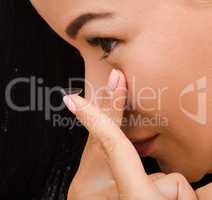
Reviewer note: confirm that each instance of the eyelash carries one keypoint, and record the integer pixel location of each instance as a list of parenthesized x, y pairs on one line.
[(107, 44)]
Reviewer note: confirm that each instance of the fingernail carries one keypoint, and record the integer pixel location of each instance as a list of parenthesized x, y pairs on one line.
[(69, 91), (113, 79), (70, 104)]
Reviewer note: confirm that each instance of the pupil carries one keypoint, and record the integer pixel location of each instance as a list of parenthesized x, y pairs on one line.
[(107, 45)]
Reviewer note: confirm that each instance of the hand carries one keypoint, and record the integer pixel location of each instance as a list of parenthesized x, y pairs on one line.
[(111, 167), (94, 175)]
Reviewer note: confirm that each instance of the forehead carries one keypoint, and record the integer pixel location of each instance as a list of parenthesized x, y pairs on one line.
[(59, 13), (63, 10)]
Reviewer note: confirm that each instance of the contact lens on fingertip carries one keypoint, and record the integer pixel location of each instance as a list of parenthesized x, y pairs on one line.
[(70, 91)]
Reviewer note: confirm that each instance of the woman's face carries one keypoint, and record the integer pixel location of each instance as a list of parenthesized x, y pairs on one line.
[(165, 50)]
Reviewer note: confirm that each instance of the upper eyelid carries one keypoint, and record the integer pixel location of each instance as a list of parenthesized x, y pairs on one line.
[(108, 37), (105, 36), (99, 33), (106, 54), (96, 45), (82, 38)]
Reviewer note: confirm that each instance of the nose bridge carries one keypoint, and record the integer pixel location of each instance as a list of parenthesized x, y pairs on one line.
[(96, 76)]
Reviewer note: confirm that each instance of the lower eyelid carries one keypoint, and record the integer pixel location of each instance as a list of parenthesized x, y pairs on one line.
[(115, 54), (113, 51)]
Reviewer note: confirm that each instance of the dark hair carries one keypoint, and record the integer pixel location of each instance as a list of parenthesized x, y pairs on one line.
[(37, 160)]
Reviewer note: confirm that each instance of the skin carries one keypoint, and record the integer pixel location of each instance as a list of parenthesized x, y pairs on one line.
[(109, 146), (164, 44)]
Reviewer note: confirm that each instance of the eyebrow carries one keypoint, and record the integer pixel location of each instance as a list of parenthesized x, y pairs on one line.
[(74, 27)]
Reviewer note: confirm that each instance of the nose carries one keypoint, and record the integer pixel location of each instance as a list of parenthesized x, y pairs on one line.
[(96, 76)]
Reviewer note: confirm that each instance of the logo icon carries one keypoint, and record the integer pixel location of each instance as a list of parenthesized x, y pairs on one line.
[(198, 86)]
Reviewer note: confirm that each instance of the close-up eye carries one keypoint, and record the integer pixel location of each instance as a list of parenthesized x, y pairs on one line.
[(107, 44)]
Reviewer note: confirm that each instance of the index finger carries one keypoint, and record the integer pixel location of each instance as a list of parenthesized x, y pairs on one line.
[(124, 160)]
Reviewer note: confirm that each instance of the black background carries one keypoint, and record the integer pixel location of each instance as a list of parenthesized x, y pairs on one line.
[(37, 160)]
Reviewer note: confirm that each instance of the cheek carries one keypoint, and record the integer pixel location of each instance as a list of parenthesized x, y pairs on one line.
[(162, 65)]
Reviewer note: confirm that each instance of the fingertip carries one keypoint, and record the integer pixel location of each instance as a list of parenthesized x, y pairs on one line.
[(70, 104), (113, 80), (79, 102), (122, 79)]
